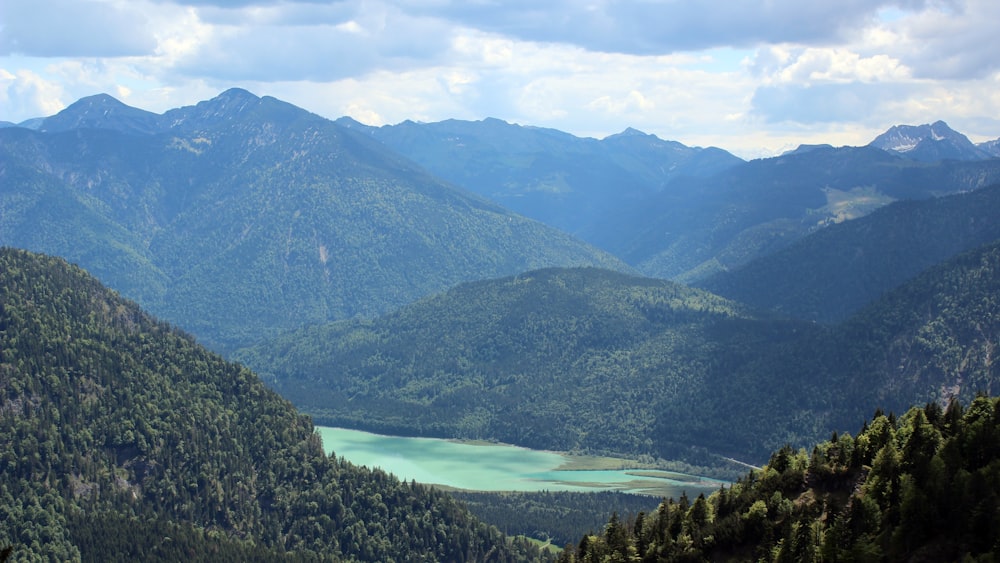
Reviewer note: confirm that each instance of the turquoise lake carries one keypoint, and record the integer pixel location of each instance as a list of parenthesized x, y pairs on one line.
[(497, 467)]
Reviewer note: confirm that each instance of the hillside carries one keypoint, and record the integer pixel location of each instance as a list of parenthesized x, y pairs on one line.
[(681, 212), (124, 440), (832, 273), (921, 487), (577, 359), (930, 339), (242, 217), (312, 220), (596, 361), (697, 227), (991, 148), (565, 181)]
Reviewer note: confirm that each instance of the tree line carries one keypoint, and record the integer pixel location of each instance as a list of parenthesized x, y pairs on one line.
[(920, 487)]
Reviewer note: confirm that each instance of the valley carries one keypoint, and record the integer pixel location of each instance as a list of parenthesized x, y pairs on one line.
[(503, 332), (500, 467)]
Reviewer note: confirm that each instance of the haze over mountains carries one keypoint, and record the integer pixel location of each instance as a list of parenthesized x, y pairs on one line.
[(665, 209), (245, 216), (561, 180), (457, 279), (683, 212), (242, 217), (598, 361), (832, 273)]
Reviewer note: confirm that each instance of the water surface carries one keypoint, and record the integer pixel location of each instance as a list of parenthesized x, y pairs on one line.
[(496, 467)]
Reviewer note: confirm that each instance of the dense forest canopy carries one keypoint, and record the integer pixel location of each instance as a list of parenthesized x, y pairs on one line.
[(697, 227), (831, 274), (253, 224), (593, 360), (119, 431), (558, 359), (921, 487)]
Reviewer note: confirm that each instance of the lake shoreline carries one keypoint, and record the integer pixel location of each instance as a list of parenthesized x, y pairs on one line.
[(486, 466)]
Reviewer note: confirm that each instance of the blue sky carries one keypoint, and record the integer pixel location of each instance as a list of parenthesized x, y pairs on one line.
[(755, 77)]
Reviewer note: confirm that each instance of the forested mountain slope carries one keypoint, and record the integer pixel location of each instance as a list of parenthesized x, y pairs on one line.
[(565, 181), (921, 487), (930, 339), (588, 359), (830, 274), (567, 359), (675, 211), (696, 227), (242, 216), (124, 440)]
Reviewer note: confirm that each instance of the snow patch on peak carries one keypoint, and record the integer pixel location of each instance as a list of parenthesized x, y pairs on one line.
[(905, 138), (928, 142)]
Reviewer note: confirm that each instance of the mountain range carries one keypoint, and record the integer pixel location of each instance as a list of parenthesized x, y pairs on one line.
[(667, 210), (565, 181), (243, 216), (930, 143), (680, 212), (459, 279), (243, 219), (695, 229), (601, 362)]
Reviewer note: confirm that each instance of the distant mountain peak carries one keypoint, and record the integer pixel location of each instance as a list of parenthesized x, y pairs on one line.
[(497, 124), (226, 106), (350, 123), (233, 101), (630, 132), (905, 138), (237, 94), (97, 100), (928, 142), (101, 111)]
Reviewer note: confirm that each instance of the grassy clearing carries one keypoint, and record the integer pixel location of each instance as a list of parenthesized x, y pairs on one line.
[(546, 544), (601, 463)]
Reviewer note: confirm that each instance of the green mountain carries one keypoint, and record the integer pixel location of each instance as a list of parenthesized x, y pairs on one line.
[(242, 217), (565, 181), (832, 273), (922, 487), (697, 227), (930, 339), (680, 212), (568, 359), (124, 441), (590, 360), (103, 112)]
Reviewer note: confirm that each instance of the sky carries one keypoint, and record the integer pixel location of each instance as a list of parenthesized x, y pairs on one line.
[(755, 77)]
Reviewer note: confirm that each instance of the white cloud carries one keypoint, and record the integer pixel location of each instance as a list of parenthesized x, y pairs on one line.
[(947, 40), (644, 27), (819, 65), (742, 75), (633, 101), (90, 28), (28, 94)]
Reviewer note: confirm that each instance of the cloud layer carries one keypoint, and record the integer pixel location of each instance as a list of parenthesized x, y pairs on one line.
[(752, 76)]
